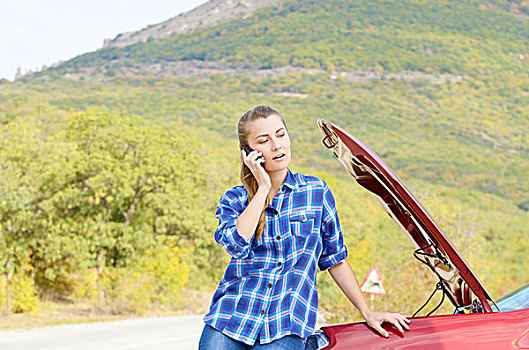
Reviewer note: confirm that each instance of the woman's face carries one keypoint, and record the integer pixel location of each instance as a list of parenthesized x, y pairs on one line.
[(269, 136)]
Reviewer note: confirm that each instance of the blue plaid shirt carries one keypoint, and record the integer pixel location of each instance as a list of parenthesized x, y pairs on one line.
[(269, 287)]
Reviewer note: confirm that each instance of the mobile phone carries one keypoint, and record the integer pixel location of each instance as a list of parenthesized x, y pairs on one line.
[(248, 150)]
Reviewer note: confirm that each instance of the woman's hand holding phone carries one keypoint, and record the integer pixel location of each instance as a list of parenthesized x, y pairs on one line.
[(255, 161)]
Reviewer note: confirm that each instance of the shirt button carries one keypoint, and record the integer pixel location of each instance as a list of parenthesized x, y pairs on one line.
[(269, 285), (262, 312), (279, 263), (278, 237), (303, 218)]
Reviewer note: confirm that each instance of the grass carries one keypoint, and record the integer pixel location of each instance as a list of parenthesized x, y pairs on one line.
[(52, 313)]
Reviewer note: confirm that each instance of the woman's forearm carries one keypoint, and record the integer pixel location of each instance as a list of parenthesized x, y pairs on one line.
[(345, 278), (247, 221)]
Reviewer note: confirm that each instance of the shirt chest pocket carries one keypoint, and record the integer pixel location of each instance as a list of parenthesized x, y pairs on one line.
[(302, 224)]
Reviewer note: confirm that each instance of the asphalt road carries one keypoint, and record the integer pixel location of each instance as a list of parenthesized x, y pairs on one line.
[(177, 332)]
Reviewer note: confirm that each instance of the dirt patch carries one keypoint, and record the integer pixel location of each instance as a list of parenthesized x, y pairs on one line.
[(205, 69), (367, 76)]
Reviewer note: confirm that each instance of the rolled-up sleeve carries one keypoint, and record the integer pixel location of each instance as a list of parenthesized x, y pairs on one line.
[(228, 210), (334, 250)]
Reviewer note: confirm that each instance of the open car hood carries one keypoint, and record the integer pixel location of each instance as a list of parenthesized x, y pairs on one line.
[(410, 216)]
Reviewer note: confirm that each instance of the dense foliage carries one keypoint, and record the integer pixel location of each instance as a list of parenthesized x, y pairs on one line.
[(109, 188), (116, 195)]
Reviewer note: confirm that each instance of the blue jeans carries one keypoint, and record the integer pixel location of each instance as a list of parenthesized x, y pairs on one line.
[(213, 339)]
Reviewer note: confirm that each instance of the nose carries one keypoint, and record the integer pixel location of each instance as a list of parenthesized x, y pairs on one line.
[(275, 144)]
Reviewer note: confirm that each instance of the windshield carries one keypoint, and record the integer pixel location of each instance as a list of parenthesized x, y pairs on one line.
[(519, 299)]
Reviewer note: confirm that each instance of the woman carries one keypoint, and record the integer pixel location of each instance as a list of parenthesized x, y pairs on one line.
[(279, 227)]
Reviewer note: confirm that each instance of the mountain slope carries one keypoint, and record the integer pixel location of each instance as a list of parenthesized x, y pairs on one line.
[(457, 37), (428, 76), (205, 15), (216, 11)]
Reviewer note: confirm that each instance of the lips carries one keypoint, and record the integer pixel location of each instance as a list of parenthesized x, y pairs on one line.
[(279, 156)]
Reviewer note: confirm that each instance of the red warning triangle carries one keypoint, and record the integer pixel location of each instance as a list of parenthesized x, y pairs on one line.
[(372, 284)]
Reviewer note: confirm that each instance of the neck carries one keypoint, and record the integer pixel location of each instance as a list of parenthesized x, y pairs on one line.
[(277, 178)]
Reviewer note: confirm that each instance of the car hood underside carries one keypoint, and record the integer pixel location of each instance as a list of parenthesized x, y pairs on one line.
[(432, 245)]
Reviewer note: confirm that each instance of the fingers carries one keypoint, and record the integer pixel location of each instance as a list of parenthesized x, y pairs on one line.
[(375, 321), (400, 322), (396, 324), (255, 162), (404, 322), (381, 330), (253, 157), (397, 320)]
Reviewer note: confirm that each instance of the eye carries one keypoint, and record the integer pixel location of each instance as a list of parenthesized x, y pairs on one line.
[(263, 141), (282, 134)]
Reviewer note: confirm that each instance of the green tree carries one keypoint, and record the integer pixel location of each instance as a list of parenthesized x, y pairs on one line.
[(125, 182)]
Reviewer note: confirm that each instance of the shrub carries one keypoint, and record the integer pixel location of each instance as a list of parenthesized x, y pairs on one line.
[(25, 298), (158, 279), (85, 287)]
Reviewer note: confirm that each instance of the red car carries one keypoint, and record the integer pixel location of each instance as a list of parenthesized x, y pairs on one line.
[(478, 322)]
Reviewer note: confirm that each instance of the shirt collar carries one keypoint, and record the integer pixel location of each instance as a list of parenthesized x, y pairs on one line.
[(291, 181)]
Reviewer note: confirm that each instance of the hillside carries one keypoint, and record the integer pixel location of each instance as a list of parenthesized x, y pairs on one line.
[(458, 38), (205, 15), (216, 11), (452, 74), (438, 89)]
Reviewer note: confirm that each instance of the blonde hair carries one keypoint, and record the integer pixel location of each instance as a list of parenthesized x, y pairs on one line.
[(247, 178)]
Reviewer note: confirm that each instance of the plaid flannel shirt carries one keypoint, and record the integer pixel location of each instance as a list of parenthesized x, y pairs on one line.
[(269, 287)]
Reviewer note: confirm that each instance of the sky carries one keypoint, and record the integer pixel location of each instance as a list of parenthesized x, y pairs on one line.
[(34, 33)]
